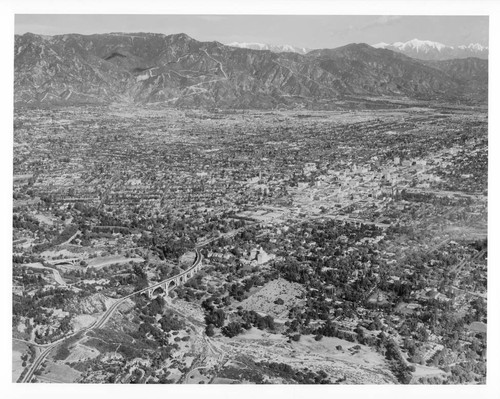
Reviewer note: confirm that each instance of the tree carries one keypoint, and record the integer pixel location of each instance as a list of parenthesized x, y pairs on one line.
[(232, 329), (209, 330), (295, 337), (139, 272), (216, 318), (422, 334), (279, 301)]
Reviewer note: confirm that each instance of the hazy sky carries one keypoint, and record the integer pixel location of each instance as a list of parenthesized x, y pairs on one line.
[(304, 31)]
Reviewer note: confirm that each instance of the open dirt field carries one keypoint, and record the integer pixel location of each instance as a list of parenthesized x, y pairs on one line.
[(263, 300), (58, 373), (477, 326), (112, 259), (82, 321), (196, 376), (18, 348), (255, 333), (81, 352), (43, 219), (352, 366), (327, 347), (425, 371)]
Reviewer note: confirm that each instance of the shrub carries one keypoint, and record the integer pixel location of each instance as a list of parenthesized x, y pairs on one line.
[(232, 329), (210, 330), (279, 301)]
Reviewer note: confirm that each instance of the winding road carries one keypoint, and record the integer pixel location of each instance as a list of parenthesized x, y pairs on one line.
[(57, 277), (105, 316), (108, 313)]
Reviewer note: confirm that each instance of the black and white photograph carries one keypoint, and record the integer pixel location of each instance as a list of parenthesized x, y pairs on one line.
[(249, 198)]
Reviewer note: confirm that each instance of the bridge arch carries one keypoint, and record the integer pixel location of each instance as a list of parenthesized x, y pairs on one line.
[(158, 291)]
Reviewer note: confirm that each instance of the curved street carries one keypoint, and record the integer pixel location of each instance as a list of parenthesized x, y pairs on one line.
[(57, 277), (104, 318)]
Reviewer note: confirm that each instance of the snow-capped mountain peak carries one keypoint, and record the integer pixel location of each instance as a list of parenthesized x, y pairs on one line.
[(422, 45), (276, 48), (416, 44), (255, 46), (430, 50), (381, 45), (474, 46)]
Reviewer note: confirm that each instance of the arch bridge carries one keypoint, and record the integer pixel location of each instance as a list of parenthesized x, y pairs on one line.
[(69, 261), (173, 282)]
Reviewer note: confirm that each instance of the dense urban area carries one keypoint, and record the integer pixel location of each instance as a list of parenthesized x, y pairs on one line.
[(161, 245)]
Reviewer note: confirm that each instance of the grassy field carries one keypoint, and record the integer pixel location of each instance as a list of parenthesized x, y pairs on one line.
[(18, 348)]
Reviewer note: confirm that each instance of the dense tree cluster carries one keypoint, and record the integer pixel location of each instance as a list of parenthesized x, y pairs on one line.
[(304, 376)]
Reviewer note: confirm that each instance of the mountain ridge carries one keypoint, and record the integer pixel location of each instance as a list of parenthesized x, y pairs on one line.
[(180, 71), (431, 50), (275, 48)]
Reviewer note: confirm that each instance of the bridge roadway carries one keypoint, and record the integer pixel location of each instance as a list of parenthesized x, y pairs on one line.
[(107, 314), (105, 317), (181, 277)]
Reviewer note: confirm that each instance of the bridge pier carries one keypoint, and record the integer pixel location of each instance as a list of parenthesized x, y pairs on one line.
[(179, 280)]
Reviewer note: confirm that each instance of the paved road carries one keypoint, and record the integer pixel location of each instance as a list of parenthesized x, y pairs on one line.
[(475, 257), (57, 276), (38, 361), (436, 247), (104, 318), (108, 313), (71, 238), (443, 192)]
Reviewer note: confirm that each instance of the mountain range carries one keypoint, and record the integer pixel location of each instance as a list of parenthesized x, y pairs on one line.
[(181, 71), (275, 48), (429, 50), (420, 49)]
